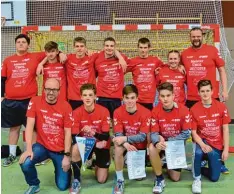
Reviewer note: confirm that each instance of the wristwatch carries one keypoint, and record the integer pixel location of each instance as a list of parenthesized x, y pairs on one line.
[(67, 153)]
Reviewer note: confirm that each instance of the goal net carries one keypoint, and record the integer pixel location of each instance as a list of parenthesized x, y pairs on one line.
[(126, 20)]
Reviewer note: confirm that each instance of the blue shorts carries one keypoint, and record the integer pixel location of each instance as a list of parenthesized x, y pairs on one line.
[(14, 112), (110, 103)]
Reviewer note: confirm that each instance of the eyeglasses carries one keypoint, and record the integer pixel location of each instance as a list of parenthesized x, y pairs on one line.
[(54, 90)]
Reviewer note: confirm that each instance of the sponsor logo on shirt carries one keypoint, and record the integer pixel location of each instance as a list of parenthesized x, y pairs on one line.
[(179, 77), (203, 56), (45, 111), (84, 121), (202, 116), (137, 123), (175, 120), (139, 65), (189, 57), (25, 60), (151, 64), (96, 122), (161, 120), (57, 115), (30, 105), (215, 115), (86, 62)]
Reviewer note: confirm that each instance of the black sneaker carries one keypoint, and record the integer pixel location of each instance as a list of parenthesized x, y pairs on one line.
[(9, 160)]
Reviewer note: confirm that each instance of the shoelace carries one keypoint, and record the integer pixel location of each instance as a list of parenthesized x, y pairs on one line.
[(75, 185), (196, 183), (120, 184)]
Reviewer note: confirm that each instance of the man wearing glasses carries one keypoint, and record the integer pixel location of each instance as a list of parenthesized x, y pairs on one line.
[(53, 122)]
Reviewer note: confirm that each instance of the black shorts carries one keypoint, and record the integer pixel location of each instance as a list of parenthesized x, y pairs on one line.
[(14, 112), (162, 153), (110, 103), (102, 155), (149, 106), (75, 103)]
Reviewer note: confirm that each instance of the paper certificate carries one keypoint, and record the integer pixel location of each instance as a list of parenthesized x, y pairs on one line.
[(136, 164), (175, 154)]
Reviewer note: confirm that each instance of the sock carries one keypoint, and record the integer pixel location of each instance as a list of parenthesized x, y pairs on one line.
[(12, 149), (76, 169), (159, 177), (119, 175)]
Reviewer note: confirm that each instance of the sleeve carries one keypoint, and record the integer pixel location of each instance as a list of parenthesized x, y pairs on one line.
[(40, 56), (94, 57), (118, 125), (130, 66), (68, 117), (219, 62), (76, 121), (158, 77), (160, 63), (4, 69), (185, 134), (185, 118), (154, 122), (105, 121), (145, 122), (194, 122), (225, 115), (31, 112)]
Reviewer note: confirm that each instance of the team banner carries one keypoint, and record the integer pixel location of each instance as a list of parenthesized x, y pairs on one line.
[(81, 146), (136, 164), (89, 144), (175, 154)]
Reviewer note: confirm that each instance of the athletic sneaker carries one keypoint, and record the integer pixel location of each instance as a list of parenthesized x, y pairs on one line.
[(9, 160), (196, 187), (33, 189), (224, 169), (75, 187), (119, 187), (159, 186)]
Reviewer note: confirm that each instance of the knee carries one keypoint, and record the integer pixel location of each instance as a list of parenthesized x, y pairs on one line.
[(214, 179), (75, 154), (26, 165), (199, 153), (101, 180), (152, 148), (119, 151), (63, 186), (175, 178)]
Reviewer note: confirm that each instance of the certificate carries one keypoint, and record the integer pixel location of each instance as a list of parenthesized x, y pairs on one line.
[(175, 154), (136, 164)]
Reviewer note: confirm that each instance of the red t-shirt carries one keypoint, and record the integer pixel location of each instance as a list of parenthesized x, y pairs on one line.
[(110, 81), (176, 78), (170, 124), (209, 122), (98, 120), (79, 71), (132, 124), (143, 71), (56, 70), (50, 122), (20, 72), (201, 64)]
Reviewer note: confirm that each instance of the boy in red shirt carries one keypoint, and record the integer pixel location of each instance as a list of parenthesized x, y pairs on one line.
[(170, 121), (18, 85), (172, 75), (110, 74), (131, 125), (54, 69), (143, 71), (210, 133), (91, 120), (53, 121)]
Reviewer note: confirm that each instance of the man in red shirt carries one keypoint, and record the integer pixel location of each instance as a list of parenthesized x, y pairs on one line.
[(210, 133), (91, 120), (143, 71), (172, 75), (110, 74), (52, 68), (131, 125), (200, 62), (18, 85), (170, 121), (53, 121)]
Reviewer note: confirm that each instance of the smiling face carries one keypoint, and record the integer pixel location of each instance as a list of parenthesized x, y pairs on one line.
[(173, 60), (109, 48), (196, 38), (130, 100), (80, 49), (51, 90)]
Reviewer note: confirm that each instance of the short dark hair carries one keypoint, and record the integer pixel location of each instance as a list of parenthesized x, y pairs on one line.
[(109, 39), (22, 36), (50, 46), (204, 82), (195, 29), (173, 51), (80, 40), (88, 86), (130, 88), (165, 86), (144, 41)]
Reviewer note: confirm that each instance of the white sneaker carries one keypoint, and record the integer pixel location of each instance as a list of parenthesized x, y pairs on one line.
[(159, 186), (196, 187)]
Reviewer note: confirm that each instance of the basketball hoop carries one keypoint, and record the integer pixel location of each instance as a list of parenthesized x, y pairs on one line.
[(3, 21)]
